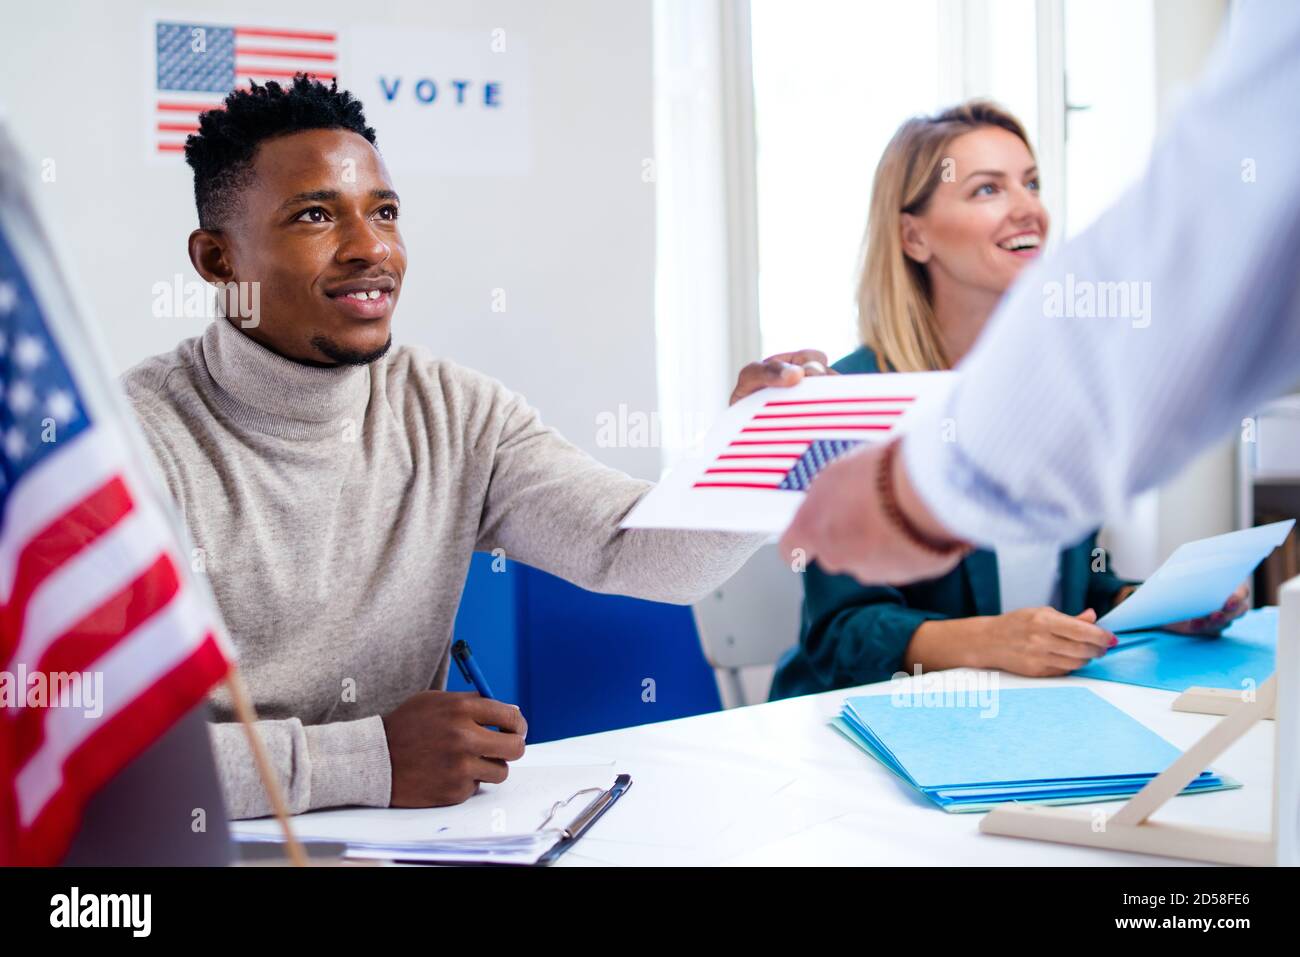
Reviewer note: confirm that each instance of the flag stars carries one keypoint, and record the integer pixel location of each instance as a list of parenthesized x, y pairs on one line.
[(8, 297), (21, 397), (28, 352), (61, 406), (15, 443)]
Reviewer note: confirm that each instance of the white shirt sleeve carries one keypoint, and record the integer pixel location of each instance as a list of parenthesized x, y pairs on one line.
[(1113, 361)]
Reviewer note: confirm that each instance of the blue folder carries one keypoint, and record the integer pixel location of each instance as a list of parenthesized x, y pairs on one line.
[(1242, 657), (1196, 579), (1045, 745), (1193, 581)]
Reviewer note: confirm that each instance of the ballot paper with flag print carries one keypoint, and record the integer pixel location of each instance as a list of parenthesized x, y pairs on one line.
[(105, 640), (751, 471)]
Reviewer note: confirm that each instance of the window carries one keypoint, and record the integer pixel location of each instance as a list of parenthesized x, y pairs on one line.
[(770, 117), (1111, 109), (832, 81)]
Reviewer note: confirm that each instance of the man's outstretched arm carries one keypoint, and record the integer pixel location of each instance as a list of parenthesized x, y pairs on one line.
[(553, 506), (1115, 360)]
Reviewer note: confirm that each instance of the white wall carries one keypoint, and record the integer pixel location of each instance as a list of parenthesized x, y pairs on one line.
[(571, 243)]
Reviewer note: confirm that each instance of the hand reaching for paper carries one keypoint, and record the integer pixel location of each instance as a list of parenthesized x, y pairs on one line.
[(1212, 625), (1208, 626), (1039, 642), (782, 370)]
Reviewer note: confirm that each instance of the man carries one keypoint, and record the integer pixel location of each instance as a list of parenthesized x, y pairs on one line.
[(337, 486), (1062, 414)]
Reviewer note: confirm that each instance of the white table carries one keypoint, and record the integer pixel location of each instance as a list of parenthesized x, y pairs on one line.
[(773, 784)]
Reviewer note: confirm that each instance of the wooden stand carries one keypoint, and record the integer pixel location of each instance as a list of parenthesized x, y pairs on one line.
[(1212, 701), (1130, 828)]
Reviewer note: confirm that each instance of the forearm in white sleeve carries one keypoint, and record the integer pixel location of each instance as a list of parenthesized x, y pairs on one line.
[(1060, 418)]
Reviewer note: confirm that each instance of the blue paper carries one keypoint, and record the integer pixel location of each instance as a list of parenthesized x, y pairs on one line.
[(1196, 579), (1036, 735), (977, 798), (1127, 638), (1240, 658)]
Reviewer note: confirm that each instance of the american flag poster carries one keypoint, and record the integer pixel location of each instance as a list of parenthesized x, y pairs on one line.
[(197, 63), (105, 639), (751, 471)]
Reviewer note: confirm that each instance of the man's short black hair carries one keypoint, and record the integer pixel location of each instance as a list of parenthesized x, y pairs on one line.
[(221, 152)]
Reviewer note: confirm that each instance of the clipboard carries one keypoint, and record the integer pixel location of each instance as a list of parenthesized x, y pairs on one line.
[(583, 822), (567, 836), (466, 835)]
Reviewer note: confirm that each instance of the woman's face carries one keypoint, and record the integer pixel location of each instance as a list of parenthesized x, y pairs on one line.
[(984, 222)]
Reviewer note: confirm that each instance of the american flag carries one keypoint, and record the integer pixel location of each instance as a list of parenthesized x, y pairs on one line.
[(197, 64), (91, 586), (787, 442)]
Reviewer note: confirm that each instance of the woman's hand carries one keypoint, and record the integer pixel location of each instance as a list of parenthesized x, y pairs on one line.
[(782, 370), (1038, 642), (1212, 624), (1042, 642)]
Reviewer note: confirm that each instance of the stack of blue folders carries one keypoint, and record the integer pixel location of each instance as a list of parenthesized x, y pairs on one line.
[(1061, 745)]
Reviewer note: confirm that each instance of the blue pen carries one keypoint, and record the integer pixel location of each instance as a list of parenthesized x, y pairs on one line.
[(469, 668)]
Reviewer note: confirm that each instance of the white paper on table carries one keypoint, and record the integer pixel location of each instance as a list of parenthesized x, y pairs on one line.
[(1196, 579), (732, 480), (498, 824)]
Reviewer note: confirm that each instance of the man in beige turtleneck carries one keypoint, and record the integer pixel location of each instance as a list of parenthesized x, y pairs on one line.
[(337, 487)]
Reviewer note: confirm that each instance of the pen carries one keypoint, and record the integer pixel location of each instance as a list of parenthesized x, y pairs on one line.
[(469, 668)]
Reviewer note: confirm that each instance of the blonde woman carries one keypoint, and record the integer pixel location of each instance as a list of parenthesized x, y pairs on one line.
[(955, 216)]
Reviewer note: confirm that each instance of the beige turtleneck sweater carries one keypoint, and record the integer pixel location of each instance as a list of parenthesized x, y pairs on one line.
[(335, 511)]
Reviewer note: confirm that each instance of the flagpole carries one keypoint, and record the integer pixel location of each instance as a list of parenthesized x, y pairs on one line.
[(248, 718)]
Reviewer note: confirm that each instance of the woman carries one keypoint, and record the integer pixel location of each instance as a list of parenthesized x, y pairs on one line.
[(955, 216)]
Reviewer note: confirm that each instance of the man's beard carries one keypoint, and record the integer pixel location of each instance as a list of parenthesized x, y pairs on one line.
[(349, 357)]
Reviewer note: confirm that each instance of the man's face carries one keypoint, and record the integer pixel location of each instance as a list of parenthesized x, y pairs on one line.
[(317, 227)]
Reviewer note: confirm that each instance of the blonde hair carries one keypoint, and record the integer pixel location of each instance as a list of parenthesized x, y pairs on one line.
[(895, 315)]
